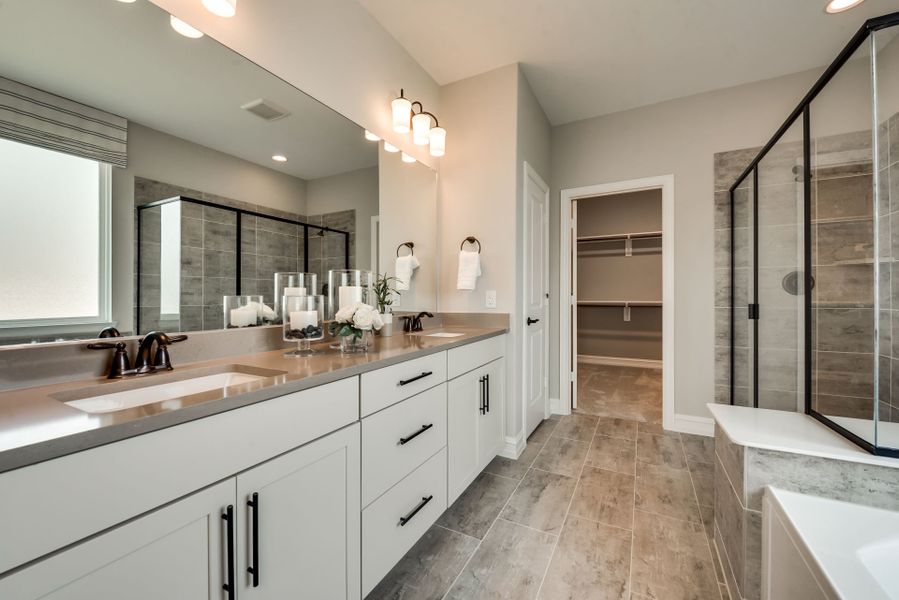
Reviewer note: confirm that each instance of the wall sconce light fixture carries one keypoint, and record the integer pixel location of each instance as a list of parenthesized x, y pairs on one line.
[(406, 118)]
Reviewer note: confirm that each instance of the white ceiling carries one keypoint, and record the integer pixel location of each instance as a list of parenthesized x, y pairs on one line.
[(585, 58), (126, 59)]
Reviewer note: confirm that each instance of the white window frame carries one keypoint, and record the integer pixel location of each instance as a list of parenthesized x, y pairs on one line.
[(63, 325)]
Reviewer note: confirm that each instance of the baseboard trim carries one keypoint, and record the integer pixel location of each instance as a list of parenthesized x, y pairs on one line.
[(695, 425), (616, 361), (513, 446), (555, 407)]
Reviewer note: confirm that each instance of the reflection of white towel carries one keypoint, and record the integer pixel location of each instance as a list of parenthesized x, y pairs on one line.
[(403, 270), (469, 270)]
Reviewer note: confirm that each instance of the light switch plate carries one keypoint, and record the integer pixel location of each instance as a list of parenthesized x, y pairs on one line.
[(491, 298)]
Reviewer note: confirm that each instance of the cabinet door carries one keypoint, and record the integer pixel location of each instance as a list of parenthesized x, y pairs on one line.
[(178, 553), (490, 424), (464, 398), (301, 536)]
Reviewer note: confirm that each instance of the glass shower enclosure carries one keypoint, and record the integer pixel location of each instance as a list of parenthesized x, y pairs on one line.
[(814, 225)]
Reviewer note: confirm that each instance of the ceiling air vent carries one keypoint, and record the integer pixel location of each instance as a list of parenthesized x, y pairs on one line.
[(266, 109)]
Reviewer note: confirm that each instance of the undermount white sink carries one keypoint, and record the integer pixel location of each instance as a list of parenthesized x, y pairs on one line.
[(443, 334), (105, 403), (850, 549)]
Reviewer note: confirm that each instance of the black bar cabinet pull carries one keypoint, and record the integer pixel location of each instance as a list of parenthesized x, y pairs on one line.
[(487, 391), (416, 378), (254, 568), (416, 434), (229, 585), (483, 407), (421, 505)]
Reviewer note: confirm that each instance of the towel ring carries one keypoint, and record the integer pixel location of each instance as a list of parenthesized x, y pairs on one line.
[(471, 240), (410, 245)]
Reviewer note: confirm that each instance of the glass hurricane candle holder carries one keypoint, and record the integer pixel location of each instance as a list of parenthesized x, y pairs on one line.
[(346, 287), (303, 322), (242, 311), (293, 284)]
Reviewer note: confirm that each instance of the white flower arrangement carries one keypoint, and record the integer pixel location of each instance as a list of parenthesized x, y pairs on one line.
[(356, 319)]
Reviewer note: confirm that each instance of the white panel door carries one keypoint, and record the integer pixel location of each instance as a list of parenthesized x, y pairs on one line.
[(178, 553), (536, 291), (305, 521)]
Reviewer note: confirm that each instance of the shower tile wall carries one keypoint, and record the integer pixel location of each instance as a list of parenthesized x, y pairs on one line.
[(327, 252), (208, 253), (889, 317)]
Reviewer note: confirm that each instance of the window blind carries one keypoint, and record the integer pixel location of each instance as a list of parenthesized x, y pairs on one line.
[(38, 118)]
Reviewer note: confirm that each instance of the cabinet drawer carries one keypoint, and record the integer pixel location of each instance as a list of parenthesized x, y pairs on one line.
[(385, 539), (391, 384), (465, 358), (399, 438)]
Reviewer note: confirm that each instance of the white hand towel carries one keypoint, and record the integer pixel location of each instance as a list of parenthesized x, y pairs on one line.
[(469, 270), (403, 271)]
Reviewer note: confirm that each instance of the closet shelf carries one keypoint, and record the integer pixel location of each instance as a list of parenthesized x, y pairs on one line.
[(619, 236), (625, 303)]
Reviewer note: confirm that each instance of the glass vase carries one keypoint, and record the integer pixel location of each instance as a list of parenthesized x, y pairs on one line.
[(242, 311), (350, 344), (293, 284), (303, 322), (346, 287)]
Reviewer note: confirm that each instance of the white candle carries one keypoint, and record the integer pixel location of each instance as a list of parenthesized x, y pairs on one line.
[(348, 294), (294, 291), (301, 319), (244, 316)]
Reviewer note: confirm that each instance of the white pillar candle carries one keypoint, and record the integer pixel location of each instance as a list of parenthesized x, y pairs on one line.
[(301, 319), (348, 294), (294, 291), (243, 316)]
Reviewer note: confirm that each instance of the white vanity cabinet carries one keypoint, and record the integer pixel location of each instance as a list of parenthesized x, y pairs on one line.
[(475, 402), (178, 552), (301, 533)]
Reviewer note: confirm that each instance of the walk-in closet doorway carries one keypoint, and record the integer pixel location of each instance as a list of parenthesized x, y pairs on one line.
[(616, 307)]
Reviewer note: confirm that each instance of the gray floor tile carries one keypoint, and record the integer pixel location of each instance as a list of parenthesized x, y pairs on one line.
[(667, 492), (543, 431), (541, 501), (617, 428), (509, 563), (591, 561), (562, 456), (429, 568), (671, 559), (576, 427), (606, 497), (481, 502), (699, 448), (515, 469), (660, 450), (656, 429), (703, 475), (613, 454)]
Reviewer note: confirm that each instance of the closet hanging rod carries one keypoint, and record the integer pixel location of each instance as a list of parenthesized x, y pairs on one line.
[(620, 236), (618, 303)]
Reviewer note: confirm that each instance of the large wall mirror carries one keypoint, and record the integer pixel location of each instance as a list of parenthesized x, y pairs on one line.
[(145, 175)]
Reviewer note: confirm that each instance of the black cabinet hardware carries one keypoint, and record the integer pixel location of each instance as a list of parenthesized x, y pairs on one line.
[(254, 542), (229, 586), (487, 392), (421, 505), (416, 378), (532, 321), (416, 434), (483, 405)]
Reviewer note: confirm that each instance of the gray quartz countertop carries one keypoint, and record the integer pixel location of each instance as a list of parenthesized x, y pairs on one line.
[(36, 425)]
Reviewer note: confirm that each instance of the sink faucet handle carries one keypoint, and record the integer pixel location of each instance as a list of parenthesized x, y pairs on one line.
[(162, 360), (120, 361)]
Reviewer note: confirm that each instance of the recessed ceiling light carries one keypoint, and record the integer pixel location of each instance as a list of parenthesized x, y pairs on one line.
[(127, 1), (371, 137), (407, 158), (221, 8), (184, 29), (279, 158), (838, 6), (390, 147)]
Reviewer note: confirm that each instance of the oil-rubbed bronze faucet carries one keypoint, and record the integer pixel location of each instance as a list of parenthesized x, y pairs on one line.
[(121, 364), (411, 323)]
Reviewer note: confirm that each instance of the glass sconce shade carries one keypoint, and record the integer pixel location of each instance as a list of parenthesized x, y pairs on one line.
[(421, 123), (437, 138), (402, 110)]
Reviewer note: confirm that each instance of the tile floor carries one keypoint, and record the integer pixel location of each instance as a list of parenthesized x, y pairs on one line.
[(596, 507)]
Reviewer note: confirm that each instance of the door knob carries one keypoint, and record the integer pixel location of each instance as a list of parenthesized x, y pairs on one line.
[(532, 321)]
